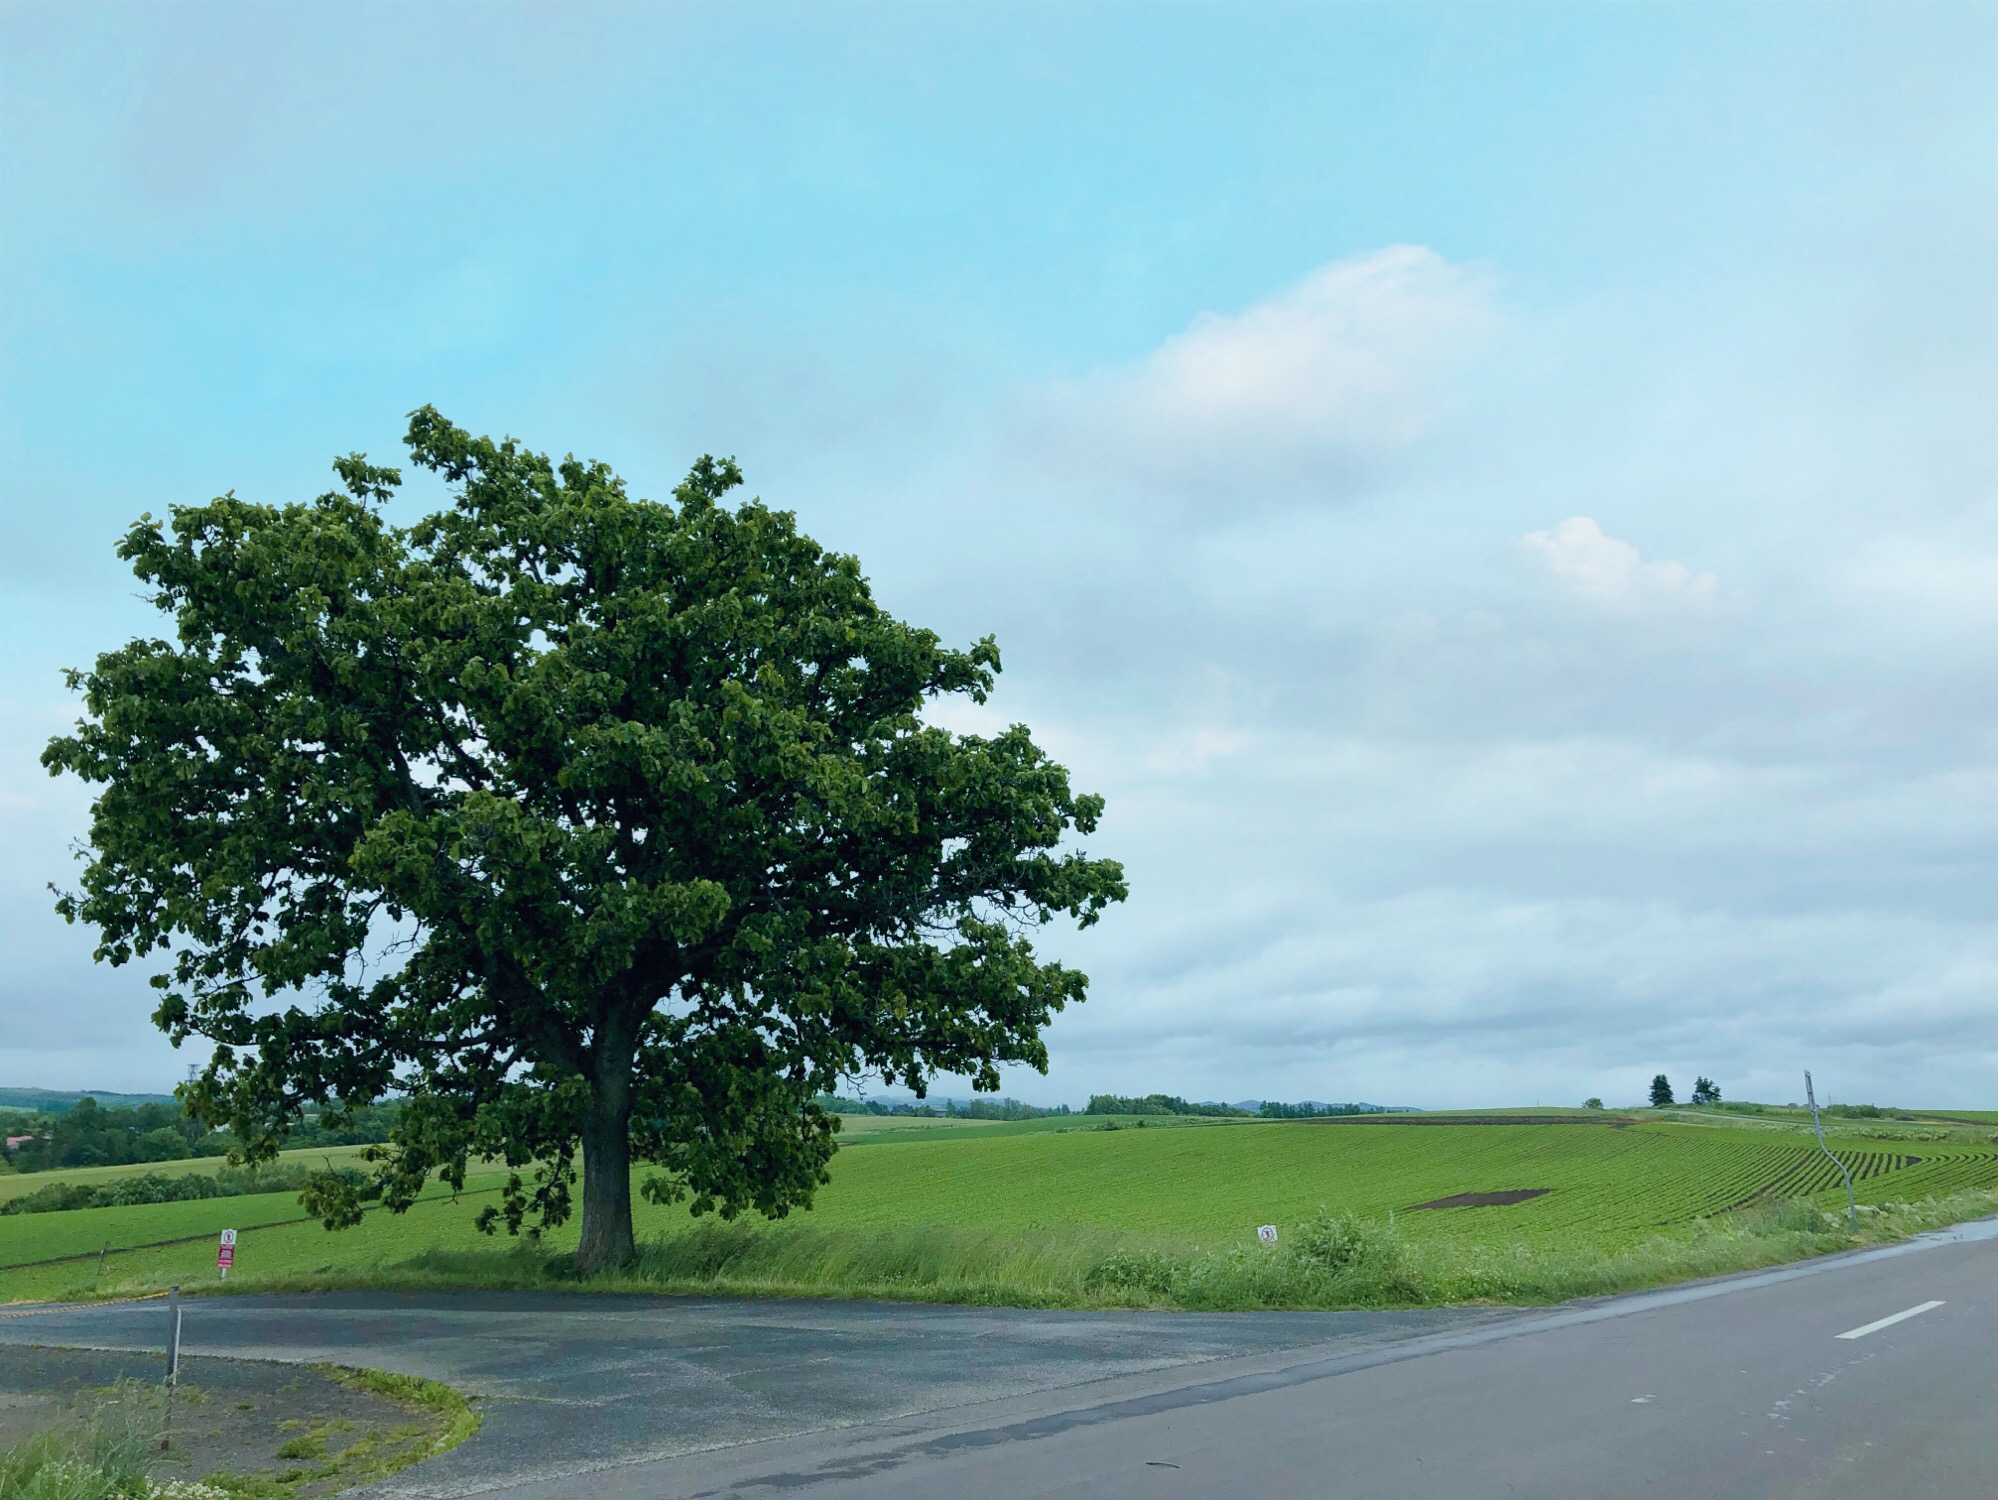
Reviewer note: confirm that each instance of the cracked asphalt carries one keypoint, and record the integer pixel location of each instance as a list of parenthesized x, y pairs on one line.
[(574, 1384)]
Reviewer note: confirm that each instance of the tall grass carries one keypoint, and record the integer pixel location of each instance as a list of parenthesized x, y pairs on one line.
[(1330, 1261), (102, 1447), (97, 1452)]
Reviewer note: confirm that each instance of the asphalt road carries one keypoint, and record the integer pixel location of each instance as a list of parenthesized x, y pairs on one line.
[(1742, 1387)]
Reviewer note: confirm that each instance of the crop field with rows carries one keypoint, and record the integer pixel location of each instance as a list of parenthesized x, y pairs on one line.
[(1606, 1182), (1582, 1184)]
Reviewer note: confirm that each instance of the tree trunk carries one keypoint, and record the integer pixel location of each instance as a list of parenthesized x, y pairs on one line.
[(607, 1239)]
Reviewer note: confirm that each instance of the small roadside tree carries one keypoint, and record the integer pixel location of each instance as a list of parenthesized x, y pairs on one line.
[(584, 823), (1661, 1091), (1705, 1090)]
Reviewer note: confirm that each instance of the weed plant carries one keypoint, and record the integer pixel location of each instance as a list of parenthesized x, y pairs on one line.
[(102, 1447), (98, 1452)]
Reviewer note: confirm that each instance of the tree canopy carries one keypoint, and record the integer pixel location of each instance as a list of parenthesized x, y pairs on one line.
[(91, 1135), (589, 825), (1661, 1091)]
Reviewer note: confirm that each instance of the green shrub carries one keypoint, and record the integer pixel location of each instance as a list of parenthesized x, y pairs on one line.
[(179, 1187), (1149, 1273), (94, 1454), (306, 1446), (1337, 1242), (1788, 1216)]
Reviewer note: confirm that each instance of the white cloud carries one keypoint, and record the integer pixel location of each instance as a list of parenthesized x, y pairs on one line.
[(1614, 574), (1350, 364)]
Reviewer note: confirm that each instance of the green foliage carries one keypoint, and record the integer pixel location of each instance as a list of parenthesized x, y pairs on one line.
[(454, 1418), (90, 1135), (344, 1125), (307, 1445), (1787, 1216), (1024, 1217), (82, 1233), (1151, 1274), (1270, 1109), (1080, 1267), (1706, 1091), (179, 1187), (1159, 1104), (98, 1452), (950, 1109), (55, 1101), (577, 820), (1335, 1242), (1330, 1260), (1592, 1102), (1661, 1091)]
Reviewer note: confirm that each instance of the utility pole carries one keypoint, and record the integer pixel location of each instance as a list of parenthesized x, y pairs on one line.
[(1851, 1207)]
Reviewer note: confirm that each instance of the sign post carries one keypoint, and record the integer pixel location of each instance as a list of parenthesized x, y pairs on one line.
[(225, 1253), (173, 1367)]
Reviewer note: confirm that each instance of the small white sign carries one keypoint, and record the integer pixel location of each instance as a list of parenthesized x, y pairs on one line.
[(228, 1236), (1266, 1233)]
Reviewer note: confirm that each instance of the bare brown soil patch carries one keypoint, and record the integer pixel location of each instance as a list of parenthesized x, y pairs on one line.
[(1479, 1200)]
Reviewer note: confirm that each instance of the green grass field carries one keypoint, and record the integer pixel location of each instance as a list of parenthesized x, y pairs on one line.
[(17, 1184), (1033, 1210)]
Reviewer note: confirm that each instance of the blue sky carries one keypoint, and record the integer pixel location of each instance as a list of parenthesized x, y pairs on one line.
[(1500, 498)]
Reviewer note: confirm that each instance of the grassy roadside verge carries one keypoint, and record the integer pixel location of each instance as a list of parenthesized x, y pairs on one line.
[(1326, 1262), (107, 1445)]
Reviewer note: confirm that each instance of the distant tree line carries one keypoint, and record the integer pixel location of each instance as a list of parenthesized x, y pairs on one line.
[(1099, 1104), (948, 1109), (55, 1101), (89, 1134), (1268, 1109), (1156, 1104), (176, 1187)]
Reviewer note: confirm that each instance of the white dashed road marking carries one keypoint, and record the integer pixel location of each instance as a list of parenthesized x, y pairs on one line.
[(1862, 1332)]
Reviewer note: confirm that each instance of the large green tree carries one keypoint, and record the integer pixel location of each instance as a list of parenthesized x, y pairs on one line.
[(582, 821)]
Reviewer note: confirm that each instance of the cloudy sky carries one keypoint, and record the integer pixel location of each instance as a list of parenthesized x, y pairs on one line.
[(1502, 500)]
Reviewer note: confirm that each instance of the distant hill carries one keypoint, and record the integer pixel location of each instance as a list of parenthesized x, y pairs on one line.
[(55, 1101)]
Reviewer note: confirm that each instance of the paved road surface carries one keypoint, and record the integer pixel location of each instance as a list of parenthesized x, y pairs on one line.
[(1736, 1388)]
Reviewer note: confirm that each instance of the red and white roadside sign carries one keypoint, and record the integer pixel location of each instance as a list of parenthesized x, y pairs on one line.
[(225, 1253)]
